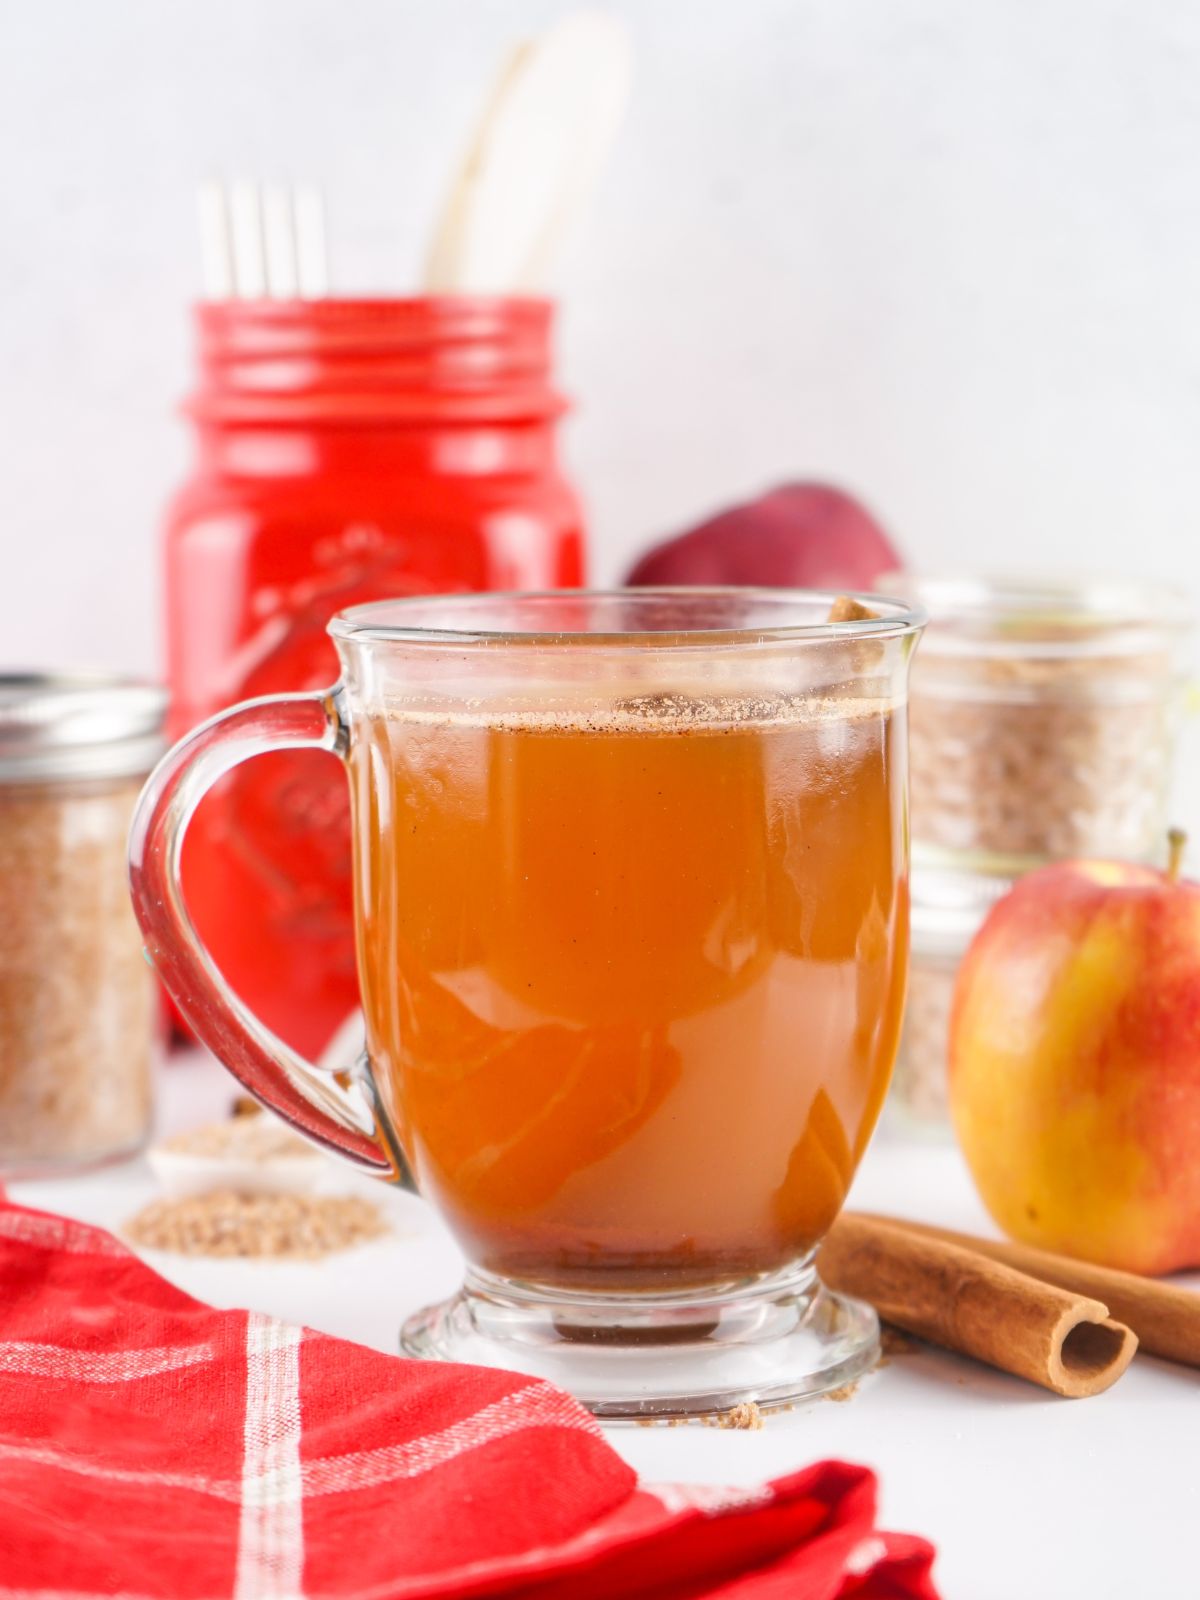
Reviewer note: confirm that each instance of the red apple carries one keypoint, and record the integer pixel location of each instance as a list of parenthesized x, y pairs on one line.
[(1075, 1063), (801, 535)]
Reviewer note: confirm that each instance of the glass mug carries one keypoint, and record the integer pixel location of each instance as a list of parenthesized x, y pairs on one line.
[(631, 905)]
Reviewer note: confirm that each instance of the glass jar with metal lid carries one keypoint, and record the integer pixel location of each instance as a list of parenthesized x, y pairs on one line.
[(78, 1004)]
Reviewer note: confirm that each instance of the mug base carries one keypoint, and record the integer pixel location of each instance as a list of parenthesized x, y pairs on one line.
[(772, 1341)]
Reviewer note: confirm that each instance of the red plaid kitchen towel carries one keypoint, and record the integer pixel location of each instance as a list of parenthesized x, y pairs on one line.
[(155, 1449)]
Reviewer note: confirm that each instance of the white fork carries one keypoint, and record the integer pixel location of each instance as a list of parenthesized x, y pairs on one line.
[(262, 241)]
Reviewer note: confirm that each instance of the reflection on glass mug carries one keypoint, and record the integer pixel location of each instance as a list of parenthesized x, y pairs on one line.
[(632, 925)]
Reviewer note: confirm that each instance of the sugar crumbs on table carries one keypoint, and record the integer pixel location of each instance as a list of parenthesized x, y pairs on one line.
[(846, 1391), (746, 1416), (892, 1342), (224, 1223)]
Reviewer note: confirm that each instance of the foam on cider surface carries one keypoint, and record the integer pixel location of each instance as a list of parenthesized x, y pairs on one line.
[(667, 712)]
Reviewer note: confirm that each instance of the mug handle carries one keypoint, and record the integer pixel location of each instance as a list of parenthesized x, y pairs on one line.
[(340, 1109)]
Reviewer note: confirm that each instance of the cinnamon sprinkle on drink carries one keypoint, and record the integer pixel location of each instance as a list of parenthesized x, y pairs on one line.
[(847, 609)]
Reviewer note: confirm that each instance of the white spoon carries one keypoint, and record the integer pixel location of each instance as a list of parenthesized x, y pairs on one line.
[(534, 159)]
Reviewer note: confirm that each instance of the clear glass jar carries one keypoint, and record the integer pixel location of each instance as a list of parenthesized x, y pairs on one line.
[(918, 1101), (1043, 720), (78, 1002)]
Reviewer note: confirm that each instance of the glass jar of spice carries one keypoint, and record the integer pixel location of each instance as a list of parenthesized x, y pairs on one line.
[(1043, 720), (78, 1003), (939, 939)]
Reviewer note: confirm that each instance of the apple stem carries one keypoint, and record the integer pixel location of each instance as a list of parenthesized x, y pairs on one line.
[(1176, 845)]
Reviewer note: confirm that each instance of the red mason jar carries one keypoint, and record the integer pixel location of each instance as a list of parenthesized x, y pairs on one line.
[(348, 450)]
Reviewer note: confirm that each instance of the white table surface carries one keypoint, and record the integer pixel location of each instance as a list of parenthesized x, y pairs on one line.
[(1024, 1494)]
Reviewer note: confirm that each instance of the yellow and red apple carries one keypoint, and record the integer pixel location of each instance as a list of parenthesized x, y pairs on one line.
[(1075, 1063)]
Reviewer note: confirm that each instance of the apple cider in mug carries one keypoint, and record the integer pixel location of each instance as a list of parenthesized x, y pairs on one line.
[(633, 979), (631, 921)]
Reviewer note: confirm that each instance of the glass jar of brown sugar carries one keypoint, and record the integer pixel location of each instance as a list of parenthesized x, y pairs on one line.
[(78, 1003), (918, 1102), (1042, 723)]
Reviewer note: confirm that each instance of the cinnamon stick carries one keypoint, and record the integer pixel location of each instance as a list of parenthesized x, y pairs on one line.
[(1165, 1317), (965, 1301)]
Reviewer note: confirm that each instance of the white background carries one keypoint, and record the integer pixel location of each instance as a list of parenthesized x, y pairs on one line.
[(947, 254)]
